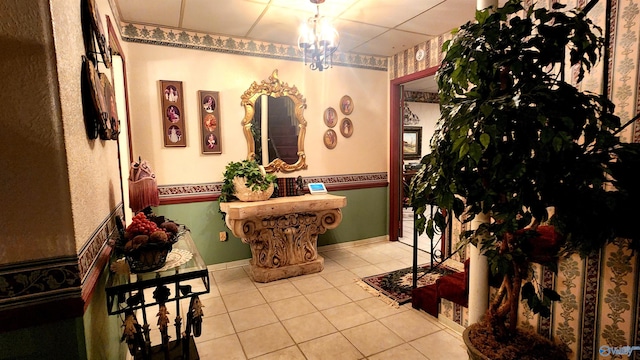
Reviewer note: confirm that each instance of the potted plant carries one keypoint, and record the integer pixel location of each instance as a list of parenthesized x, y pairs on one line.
[(516, 140), (247, 181)]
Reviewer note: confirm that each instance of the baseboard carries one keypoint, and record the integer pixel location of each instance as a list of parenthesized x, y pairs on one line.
[(344, 245), (451, 324), (355, 243), (228, 265)]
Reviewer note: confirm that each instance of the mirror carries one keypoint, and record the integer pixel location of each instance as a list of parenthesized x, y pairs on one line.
[(274, 125)]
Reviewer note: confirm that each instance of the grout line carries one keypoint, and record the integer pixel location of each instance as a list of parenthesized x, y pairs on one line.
[(350, 248)]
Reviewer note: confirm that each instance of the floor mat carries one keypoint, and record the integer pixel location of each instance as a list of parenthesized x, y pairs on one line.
[(397, 285)]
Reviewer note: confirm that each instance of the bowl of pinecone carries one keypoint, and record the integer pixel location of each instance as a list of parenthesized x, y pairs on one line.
[(146, 242)]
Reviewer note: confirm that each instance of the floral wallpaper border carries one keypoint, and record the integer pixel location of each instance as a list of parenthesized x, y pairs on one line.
[(239, 46), (35, 281), (89, 253), (213, 189)]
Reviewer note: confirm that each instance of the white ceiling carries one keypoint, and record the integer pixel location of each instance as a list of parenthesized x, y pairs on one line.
[(371, 27)]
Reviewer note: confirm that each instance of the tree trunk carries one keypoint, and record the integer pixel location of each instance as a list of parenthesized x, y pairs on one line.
[(502, 313)]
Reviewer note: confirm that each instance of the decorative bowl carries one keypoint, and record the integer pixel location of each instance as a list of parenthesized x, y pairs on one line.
[(243, 193)]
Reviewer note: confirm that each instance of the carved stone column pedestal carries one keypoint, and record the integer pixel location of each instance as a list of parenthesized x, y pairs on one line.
[(283, 232)]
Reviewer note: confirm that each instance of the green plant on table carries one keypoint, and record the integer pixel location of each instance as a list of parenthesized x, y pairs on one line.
[(516, 139), (255, 177)]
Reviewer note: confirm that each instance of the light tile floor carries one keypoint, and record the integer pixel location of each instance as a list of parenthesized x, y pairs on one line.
[(320, 316)]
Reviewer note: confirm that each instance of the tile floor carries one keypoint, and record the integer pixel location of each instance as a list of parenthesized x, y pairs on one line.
[(319, 316)]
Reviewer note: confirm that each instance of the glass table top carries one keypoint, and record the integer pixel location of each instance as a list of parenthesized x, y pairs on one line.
[(125, 291)]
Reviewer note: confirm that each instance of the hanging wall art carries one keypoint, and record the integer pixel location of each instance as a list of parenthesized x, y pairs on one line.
[(210, 135), (173, 122)]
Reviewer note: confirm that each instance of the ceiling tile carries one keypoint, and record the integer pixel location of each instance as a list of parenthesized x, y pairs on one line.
[(354, 34), (330, 8), (391, 42), (160, 12), (219, 18), (442, 18), (279, 25), (387, 13)]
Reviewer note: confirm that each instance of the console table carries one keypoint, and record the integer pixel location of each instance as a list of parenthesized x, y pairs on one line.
[(283, 232), (128, 292)]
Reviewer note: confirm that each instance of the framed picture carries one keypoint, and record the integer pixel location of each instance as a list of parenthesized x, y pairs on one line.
[(346, 105), (330, 139), (330, 117), (210, 139), (412, 142), (172, 107), (110, 126), (346, 127)]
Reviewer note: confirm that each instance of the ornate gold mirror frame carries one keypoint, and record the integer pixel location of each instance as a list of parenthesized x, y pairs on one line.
[(275, 88)]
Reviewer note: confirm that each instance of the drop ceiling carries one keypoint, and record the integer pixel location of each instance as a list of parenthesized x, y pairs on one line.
[(368, 27)]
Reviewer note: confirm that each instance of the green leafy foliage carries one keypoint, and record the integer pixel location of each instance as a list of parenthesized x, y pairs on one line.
[(250, 170), (516, 138)]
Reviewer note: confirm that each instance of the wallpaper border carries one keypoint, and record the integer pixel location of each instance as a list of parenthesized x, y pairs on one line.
[(45, 289), (164, 36), (186, 193)]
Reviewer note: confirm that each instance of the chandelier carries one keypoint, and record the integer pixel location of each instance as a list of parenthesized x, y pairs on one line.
[(318, 40)]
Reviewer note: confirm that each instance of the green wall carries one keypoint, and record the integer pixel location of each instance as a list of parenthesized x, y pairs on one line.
[(102, 331), (365, 216), (62, 340)]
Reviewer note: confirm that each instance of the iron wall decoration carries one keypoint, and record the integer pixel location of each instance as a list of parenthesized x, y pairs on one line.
[(92, 98), (99, 108), (211, 139), (412, 142), (98, 35), (173, 123)]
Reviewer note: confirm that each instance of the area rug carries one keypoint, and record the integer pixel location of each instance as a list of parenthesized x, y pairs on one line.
[(396, 285)]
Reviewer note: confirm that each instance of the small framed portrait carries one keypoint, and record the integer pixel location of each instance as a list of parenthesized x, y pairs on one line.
[(346, 127), (346, 105), (174, 134), (173, 121), (171, 93), (209, 104), (173, 114), (330, 117), (212, 141), (412, 143), (210, 122), (211, 136), (330, 139)]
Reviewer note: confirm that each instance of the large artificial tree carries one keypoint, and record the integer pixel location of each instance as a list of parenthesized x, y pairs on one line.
[(519, 142)]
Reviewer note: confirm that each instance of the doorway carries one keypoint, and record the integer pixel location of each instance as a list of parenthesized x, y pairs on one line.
[(397, 176)]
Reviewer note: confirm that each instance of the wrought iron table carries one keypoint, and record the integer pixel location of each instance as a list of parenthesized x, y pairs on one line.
[(126, 294)]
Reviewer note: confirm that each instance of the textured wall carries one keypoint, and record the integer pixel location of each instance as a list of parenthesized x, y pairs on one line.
[(34, 216), (92, 164), (231, 75)]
